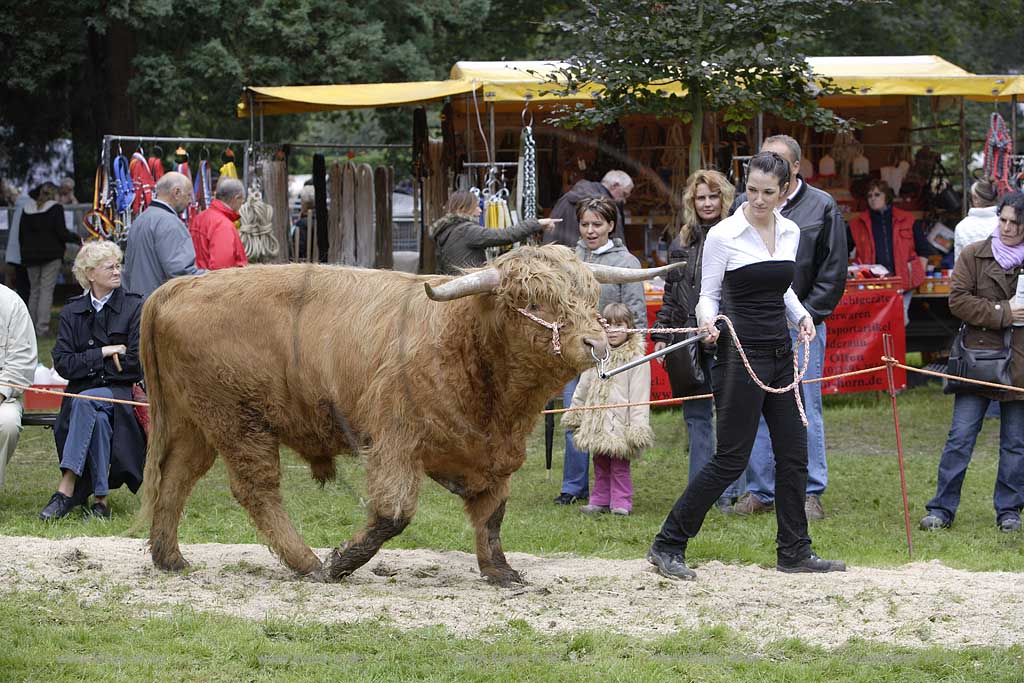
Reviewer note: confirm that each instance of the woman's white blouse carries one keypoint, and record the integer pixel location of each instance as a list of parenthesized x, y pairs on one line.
[(734, 243)]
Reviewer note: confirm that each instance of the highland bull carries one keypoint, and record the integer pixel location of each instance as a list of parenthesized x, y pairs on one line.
[(444, 379)]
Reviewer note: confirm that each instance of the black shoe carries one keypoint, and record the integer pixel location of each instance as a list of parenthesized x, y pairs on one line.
[(812, 565), (933, 522), (1009, 524), (671, 565), (58, 507), (566, 499), (99, 510)]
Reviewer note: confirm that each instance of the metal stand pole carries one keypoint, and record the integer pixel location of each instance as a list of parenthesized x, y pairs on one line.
[(888, 348)]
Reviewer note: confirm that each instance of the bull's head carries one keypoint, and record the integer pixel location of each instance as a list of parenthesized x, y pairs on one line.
[(552, 284)]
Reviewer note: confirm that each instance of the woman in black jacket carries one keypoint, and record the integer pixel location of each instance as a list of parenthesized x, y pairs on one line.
[(43, 236), (461, 240), (706, 199), (100, 444)]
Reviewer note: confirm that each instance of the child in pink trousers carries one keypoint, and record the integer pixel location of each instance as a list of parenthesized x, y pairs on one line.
[(614, 436)]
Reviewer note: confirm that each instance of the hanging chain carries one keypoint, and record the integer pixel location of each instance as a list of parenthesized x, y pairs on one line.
[(529, 174)]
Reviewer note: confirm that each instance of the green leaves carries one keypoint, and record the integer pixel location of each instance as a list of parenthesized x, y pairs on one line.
[(734, 58)]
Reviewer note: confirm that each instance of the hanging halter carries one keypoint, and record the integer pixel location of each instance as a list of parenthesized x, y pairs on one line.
[(124, 191), (998, 150), (556, 344)]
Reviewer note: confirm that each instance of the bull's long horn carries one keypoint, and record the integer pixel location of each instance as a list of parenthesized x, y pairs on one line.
[(480, 282), (613, 275)]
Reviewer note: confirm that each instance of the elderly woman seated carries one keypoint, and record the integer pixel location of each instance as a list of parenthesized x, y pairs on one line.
[(100, 444)]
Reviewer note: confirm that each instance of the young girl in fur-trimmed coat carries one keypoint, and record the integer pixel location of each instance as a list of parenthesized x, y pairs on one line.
[(614, 436)]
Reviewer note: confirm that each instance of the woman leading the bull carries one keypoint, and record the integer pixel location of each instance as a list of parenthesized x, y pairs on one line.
[(461, 240), (596, 216), (707, 196), (100, 444), (747, 272)]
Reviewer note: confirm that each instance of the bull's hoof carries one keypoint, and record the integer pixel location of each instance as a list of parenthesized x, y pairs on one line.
[(337, 566), (318, 575), (505, 578), (172, 563)]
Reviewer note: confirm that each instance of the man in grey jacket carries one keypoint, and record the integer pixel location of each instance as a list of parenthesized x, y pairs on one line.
[(616, 185), (819, 282), (18, 358), (159, 244)]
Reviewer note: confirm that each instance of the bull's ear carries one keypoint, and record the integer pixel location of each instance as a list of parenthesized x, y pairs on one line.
[(613, 275), (479, 282)]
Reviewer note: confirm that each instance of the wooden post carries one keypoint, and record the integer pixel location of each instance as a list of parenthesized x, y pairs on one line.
[(889, 350), (965, 151)]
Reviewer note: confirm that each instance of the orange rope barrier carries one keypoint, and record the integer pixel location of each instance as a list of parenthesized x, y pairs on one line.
[(932, 373), (64, 393)]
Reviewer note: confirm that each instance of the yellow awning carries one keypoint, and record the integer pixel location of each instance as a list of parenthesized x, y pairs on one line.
[(1016, 87), (308, 98), (901, 75), (922, 75)]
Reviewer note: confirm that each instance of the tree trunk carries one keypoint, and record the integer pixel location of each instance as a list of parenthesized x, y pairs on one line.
[(696, 130), (100, 102)]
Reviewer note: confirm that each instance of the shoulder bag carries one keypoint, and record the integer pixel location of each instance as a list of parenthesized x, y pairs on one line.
[(985, 365)]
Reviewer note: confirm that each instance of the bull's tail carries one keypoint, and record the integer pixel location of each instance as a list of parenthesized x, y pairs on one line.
[(159, 432)]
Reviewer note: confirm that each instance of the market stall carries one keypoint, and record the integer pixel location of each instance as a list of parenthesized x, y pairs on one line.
[(489, 105)]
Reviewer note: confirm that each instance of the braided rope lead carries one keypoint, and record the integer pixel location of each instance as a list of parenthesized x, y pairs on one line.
[(798, 372)]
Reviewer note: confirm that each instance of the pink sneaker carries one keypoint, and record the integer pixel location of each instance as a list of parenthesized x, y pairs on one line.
[(620, 511), (594, 509)]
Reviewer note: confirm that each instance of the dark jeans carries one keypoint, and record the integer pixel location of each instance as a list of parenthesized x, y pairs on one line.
[(21, 282), (968, 414), (576, 468), (739, 404)]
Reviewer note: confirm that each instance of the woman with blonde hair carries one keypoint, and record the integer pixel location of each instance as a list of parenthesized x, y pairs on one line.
[(461, 240), (706, 199), (100, 444)]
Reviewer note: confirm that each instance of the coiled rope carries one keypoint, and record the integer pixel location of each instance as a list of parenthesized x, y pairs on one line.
[(256, 228)]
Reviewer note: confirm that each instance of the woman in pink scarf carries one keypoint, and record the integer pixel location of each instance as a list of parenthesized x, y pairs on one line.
[(984, 296)]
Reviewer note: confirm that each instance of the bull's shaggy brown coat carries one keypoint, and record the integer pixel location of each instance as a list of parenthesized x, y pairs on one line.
[(327, 360)]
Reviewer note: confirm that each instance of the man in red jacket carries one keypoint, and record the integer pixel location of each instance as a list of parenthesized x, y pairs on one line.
[(213, 231)]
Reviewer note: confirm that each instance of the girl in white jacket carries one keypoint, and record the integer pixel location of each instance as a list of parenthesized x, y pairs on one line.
[(614, 436)]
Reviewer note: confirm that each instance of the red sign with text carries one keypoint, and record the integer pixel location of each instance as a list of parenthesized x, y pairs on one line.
[(660, 388), (867, 310)]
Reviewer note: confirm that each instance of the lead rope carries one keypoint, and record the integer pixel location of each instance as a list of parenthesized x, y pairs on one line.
[(798, 372)]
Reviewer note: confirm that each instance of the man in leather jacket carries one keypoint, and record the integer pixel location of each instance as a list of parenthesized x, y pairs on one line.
[(820, 280)]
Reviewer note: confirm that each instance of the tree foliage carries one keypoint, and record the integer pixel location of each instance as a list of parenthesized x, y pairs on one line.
[(82, 68), (686, 57), (982, 36)]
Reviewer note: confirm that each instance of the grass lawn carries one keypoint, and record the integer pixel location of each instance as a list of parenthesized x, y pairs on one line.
[(864, 527)]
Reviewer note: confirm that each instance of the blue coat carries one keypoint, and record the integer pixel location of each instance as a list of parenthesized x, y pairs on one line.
[(78, 357)]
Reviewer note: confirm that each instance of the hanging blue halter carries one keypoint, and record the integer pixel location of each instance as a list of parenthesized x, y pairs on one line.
[(124, 190)]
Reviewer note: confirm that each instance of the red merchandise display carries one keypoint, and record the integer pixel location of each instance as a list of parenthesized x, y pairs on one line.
[(868, 309), (660, 388)]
